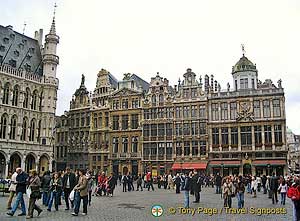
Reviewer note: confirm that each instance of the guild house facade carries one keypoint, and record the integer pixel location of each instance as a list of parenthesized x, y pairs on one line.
[(28, 94), (136, 126)]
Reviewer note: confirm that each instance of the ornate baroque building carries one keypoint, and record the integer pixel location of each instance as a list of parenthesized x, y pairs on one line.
[(28, 94), (136, 126)]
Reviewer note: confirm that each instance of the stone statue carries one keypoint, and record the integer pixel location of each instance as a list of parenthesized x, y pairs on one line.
[(279, 83), (228, 86), (82, 80)]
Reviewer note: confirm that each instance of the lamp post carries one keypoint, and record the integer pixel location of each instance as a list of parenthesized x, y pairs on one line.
[(222, 166)]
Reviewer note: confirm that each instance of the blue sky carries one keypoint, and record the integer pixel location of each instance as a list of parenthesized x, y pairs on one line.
[(145, 37)]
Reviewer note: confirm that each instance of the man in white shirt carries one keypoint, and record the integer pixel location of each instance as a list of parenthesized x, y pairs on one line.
[(12, 189)]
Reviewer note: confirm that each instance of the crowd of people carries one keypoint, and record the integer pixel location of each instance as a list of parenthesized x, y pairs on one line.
[(81, 185), (52, 188)]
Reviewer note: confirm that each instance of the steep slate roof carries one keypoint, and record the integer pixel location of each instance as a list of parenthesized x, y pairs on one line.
[(140, 81), (20, 48), (113, 81)]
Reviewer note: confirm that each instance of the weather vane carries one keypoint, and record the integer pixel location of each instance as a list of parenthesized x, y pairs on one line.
[(24, 27), (54, 11), (243, 49)]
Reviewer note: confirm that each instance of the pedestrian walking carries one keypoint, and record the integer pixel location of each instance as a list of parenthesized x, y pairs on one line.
[(124, 182), (274, 188), (81, 188), (90, 188), (254, 186), (12, 189), (196, 186), (21, 180), (55, 187), (45, 184), (282, 189), (218, 183), (187, 189), (139, 183), (227, 193), (177, 182), (239, 192), (150, 181), (68, 181), (34, 185)]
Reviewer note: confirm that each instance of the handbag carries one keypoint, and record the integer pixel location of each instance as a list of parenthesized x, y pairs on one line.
[(28, 192), (71, 196)]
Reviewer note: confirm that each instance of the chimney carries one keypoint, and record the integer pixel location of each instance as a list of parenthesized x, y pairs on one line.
[(9, 27), (40, 39)]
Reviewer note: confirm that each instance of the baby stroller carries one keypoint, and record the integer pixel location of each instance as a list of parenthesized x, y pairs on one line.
[(101, 188)]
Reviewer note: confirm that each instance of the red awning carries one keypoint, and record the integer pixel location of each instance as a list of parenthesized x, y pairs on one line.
[(271, 162), (189, 166), (218, 163)]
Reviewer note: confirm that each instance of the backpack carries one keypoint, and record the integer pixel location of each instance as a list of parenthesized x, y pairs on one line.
[(293, 193)]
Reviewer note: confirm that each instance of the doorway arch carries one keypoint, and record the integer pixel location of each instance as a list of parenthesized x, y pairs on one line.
[(14, 162), (125, 170), (44, 164), (30, 163), (2, 165)]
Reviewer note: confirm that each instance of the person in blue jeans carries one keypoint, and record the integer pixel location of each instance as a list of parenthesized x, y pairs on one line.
[(187, 189), (81, 192), (239, 192), (55, 188), (21, 180)]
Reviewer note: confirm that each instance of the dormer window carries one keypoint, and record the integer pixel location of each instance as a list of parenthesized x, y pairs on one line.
[(2, 48), (31, 50), (244, 83), (5, 40), (21, 46), (16, 53), (13, 63)]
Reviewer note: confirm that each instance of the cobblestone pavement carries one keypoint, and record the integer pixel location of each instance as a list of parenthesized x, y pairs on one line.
[(137, 206)]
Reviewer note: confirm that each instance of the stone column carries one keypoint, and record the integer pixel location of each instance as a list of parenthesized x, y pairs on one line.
[(23, 162), (229, 138), (273, 137), (263, 137), (6, 168), (253, 138), (271, 108), (261, 109), (239, 139)]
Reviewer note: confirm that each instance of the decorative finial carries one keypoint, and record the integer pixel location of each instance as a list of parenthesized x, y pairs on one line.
[(82, 80), (243, 49), (52, 29), (54, 10), (24, 27)]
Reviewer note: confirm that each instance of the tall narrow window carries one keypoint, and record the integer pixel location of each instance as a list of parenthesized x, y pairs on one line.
[(161, 99), (194, 111), (202, 128), (195, 148), (26, 98), (24, 130), (178, 149), (266, 108), (233, 111), (115, 122), (276, 108), (40, 129), (161, 130), (5, 97), (13, 128), (178, 112), (257, 135), (3, 126), (202, 147), (124, 122), (134, 143), (169, 129), (134, 121), (194, 128), (224, 111), (256, 108), (125, 144), (146, 130), (186, 110), (234, 136), (215, 111), (34, 100), (202, 111), (15, 96), (186, 148), (186, 129), (153, 100), (115, 144), (215, 136), (278, 134), (153, 130), (224, 134), (32, 130), (268, 135), (41, 101)]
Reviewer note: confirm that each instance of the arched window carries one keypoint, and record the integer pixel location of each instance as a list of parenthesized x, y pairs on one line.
[(13, 128), (3, 126), (39, 131), (41, 102), (5, 98), (24, 129), (134, 143), (161, 99), (125, 145), (26, 98), (15, 96), (153, 99), (34, 100), (32, 130)]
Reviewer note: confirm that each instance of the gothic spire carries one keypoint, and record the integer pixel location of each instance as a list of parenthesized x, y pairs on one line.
[(52, 29)]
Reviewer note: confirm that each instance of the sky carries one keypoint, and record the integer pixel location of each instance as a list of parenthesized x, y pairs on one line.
[(169, 36)]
